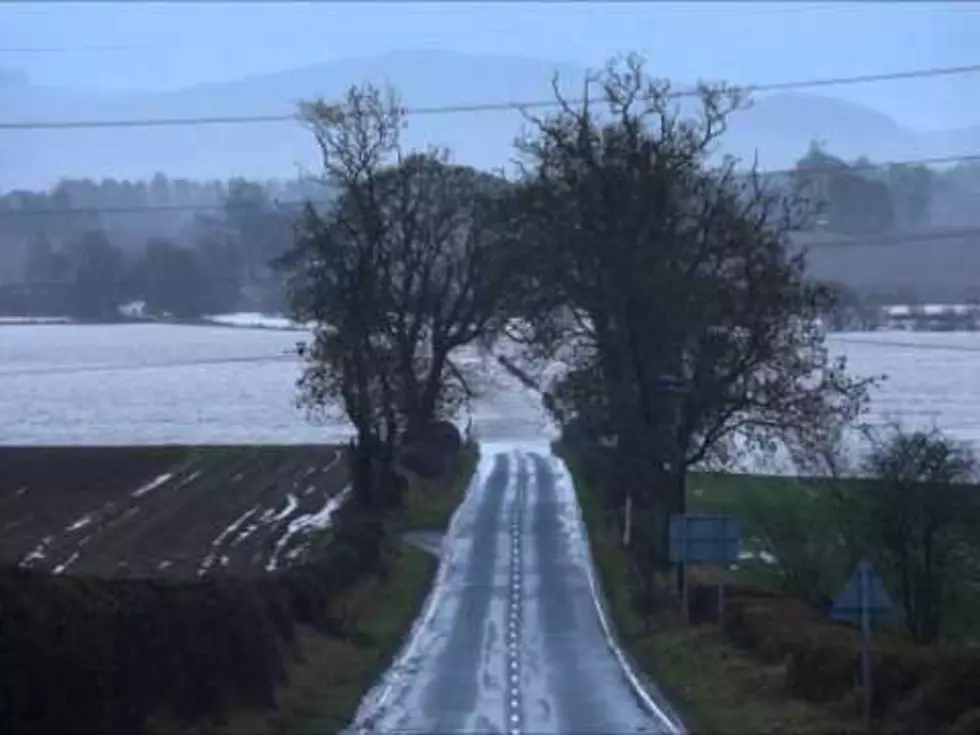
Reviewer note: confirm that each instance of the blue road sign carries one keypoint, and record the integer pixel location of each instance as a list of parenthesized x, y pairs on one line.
[(850, 600), (670, 384), (704, 539)]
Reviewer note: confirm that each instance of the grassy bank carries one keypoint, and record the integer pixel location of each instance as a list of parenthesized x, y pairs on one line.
[(430, 505), (328, 676), (716, 687), (793, 518)]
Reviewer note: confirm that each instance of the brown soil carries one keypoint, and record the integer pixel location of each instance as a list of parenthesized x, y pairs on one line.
[(161, 511)]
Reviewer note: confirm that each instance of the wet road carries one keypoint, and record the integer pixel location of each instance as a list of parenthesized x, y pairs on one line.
[(511, 640)]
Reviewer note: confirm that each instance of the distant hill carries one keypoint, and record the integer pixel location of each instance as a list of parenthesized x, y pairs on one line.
[(779, 127)]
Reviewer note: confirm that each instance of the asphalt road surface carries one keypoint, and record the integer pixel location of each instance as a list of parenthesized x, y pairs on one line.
[(510, 640)]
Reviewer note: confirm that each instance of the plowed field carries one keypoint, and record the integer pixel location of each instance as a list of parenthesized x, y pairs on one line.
[(165, 511)]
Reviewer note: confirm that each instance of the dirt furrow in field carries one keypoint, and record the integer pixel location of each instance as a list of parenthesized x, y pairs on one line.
[(215, 510), (168, 531), (307, 493), (47, 491), (296, 494), (87, 545)]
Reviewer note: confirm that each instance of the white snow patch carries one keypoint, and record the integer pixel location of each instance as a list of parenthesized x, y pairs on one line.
[(764, 556), (80, 523), (134, 309), (291, 505), (62, 567), (254, 319), (232, 528), (153, 484), (245, 534), (314, 521), (35, 320), (164, 564), (38, 554), (190, 478)]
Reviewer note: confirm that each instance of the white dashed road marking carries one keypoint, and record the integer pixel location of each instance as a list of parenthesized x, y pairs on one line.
[(514, 612)]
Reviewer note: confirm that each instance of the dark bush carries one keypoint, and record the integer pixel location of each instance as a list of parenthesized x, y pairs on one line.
[(772, 625), (923, 687), (821, 667), (703, 600), (967, 724), (102, 655), (432, 452), (950, 686)]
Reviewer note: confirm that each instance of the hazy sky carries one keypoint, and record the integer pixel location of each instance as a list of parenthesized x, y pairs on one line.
[(183, 43)]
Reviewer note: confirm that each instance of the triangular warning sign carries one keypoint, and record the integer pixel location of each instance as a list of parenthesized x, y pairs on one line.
[(848, 603)]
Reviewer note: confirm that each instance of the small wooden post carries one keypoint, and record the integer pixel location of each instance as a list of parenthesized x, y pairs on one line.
[(866, 646), (628, 520), (685, 584)]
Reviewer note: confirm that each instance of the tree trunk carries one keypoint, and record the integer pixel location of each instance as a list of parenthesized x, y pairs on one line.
[(433, 387)]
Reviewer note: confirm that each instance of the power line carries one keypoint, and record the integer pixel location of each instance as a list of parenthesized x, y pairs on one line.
[(70, 49), (479, 107), (288, 203), (148, 366)]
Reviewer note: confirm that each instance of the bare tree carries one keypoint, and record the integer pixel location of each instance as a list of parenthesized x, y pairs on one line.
[(336, 279), (661, 263), (447, 278), (401, 271)]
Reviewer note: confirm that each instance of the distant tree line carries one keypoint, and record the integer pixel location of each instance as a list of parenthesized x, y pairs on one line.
[(861, 198), (186, 247), (182, 248)]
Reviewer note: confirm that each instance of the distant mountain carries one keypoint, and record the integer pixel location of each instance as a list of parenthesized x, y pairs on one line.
[(780, 126)]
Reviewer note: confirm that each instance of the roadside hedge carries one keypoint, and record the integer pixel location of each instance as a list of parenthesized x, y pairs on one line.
[(103, 655), (432, 452), (923, 688)]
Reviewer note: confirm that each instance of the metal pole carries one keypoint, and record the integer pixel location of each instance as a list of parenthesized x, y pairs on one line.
[(684, 581), (866, 647), (721, 598), (677, 462), (627, 530)]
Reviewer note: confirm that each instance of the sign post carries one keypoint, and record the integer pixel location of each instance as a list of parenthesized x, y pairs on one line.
[(863, 598), (704, 539), (628, 520)]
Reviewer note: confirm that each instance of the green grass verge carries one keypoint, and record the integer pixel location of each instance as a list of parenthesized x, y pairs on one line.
[(715, 687), (797, 501), (328, 677), (430, 505)]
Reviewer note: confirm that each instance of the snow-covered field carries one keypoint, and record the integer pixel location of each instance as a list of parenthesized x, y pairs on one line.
[(253, 319), (152, 384)]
